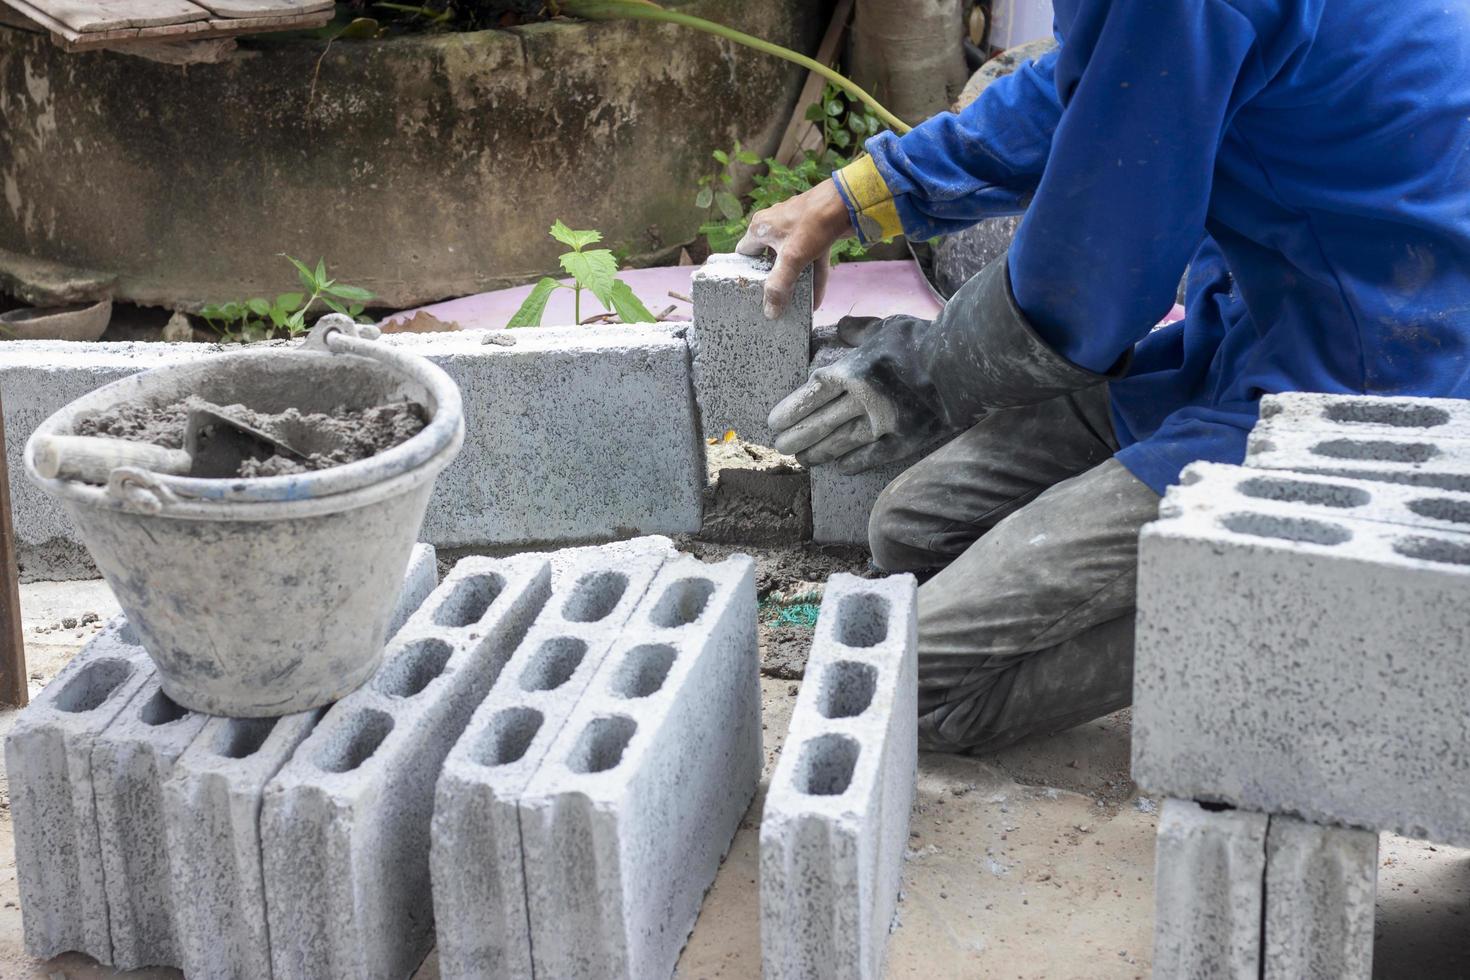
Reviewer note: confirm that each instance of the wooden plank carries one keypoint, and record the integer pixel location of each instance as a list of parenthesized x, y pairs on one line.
[(802, 135), (196, 30), (87, 16), (264, 8), (12, 644), (59, 31)]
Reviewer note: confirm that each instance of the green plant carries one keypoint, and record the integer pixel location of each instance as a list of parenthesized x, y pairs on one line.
[(844, 123), (592, 269), (262, 319)]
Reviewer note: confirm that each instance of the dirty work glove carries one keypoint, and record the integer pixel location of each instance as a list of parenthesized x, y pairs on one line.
[(910, 380)]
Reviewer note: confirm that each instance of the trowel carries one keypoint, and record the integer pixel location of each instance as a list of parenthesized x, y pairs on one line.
[(216, 442)]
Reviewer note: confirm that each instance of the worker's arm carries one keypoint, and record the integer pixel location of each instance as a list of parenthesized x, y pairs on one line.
[(951, 170), (957, 168)]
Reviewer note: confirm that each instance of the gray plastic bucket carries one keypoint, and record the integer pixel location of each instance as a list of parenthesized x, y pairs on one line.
[(267, 596)]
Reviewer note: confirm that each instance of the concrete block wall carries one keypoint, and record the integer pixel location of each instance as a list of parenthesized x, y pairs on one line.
[(1439, 417), (836, 816), (574, 434), (743, 363), (345, 823), (625, 821), (479, 885), (1404, 456), (1292, 662)]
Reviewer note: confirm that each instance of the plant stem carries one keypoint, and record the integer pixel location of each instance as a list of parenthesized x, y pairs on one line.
[(577, 302), (643, 10)]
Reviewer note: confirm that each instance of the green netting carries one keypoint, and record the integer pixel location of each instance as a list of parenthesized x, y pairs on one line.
[(798, 610)]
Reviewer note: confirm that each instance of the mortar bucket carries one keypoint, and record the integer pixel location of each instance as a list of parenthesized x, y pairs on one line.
[(266, 596)]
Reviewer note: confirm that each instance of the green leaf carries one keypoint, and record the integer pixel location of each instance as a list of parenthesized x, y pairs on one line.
[(577, 240), (534, 308), (321, 271), (835, 107), (334, 306), (748, 158), (593, 270), (722, 157), (627, 306), (704, 198), (842, 138), (343, 291), (814, 113), (361, 29), (258, 306), (729, 205), (296, 321), (211, 312), (355, 310), (289, 301), (300, 267), (278, 317)]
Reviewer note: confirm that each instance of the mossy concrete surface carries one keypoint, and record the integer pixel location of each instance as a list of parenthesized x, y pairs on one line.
[(420, 167)]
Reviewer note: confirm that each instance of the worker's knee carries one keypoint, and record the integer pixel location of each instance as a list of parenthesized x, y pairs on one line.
[(899, 535)]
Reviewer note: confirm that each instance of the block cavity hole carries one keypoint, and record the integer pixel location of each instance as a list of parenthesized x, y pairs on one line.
[(470, 599), (354, 741), (595, 596), (94, 685), (1434, 549), (1380, 413), (1302, 492), (826, 766), (847, 689), (1300, 529), (601, 744), (160, 710), (683, 602), (1377, 450), (1441, 509), (643, 670), (242, 737), (509, 734), (413, 669), (553, 664), (862, 620)]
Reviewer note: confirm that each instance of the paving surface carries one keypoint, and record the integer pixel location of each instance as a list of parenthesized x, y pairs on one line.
[(1034, 863)]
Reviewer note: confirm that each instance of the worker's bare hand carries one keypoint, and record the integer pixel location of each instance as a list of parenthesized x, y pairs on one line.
[(800, 231)]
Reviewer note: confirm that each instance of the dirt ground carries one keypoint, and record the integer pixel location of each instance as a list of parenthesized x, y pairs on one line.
[(1033, 863)]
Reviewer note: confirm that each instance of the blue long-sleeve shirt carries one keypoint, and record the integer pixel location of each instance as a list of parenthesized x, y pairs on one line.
[(1309, 160)]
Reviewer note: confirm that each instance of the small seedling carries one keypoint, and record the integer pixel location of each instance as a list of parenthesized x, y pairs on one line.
[(261, 319), (592, 269)]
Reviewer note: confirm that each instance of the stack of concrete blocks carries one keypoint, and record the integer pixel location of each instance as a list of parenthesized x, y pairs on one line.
[(836, 817), (1299, 669), (90, 762), (584, 812), (478, 879), (575, 434)]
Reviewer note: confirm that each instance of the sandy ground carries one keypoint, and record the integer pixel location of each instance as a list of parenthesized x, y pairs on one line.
[(1037, 862)]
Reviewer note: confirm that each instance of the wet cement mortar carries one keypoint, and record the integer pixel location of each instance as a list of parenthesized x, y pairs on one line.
[(324, 439)]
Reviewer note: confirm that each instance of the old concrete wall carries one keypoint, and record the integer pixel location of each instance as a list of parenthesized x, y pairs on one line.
[(419, 167)]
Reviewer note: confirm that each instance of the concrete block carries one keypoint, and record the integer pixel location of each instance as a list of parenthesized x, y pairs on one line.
[(48, 762), (1288, 662), (1320, 888), (478, 881), (624, 824), (743, 363), (1417, 459), (212, 822), (574, 434), (345, 823), (1210, 869), (837, 812), (131, 761), (1224, 489), (1368, 414)]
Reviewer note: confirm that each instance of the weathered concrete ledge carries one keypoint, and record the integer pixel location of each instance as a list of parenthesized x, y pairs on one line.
[(574, 434)]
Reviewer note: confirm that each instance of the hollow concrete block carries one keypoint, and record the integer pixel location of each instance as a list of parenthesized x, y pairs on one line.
[(837, 812), (1291, 662), (131, 761), (211, 812), (625, 822), (1368, 414), (48, 763), (479, 885), (1320, 888), (344, 825), (743, 363), (1210, 869), (1405, 456)]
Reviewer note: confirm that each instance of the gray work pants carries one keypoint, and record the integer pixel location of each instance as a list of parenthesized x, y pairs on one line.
[(1028, 626)]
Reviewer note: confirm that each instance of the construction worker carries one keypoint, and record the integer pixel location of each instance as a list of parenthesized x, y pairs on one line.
[(1308, 162)]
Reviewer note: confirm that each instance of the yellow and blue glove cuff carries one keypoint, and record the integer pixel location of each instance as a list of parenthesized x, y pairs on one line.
[(869, 201)]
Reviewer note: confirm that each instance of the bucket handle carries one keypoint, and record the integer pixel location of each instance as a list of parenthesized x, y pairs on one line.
[(138, 490), (336, 323)]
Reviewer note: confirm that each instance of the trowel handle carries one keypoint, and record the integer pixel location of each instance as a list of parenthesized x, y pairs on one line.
[(91, 459)]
